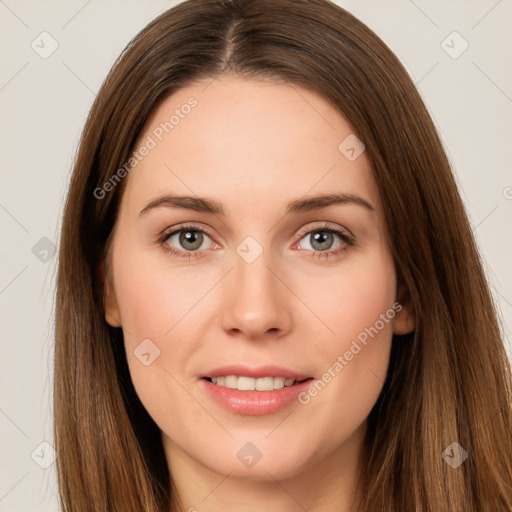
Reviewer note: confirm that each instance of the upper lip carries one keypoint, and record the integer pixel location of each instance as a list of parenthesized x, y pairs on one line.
[(256, 372)]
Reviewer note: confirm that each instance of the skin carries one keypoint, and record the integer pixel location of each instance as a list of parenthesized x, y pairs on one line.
[(254, 146)]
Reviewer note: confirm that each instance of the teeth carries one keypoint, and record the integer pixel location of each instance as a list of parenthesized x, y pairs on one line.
[(279, 382), (243, 383), (265, 384), (230, 381), (246, 383)]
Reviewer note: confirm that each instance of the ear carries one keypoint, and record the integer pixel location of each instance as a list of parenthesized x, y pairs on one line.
[(112, 313), (405, 319)]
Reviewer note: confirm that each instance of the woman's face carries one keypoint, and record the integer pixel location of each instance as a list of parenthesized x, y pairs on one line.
[(281, 279)]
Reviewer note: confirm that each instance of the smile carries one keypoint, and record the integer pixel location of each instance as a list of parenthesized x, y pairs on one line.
[(244, 383), (246, 390)]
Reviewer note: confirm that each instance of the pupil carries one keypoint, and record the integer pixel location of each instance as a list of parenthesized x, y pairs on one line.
[(322, 240), (191, 239)]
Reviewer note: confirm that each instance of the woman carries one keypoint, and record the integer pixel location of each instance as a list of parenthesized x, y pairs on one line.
[(269, 293)]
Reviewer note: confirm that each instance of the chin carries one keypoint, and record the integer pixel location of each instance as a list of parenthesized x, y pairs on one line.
[(256, 458)]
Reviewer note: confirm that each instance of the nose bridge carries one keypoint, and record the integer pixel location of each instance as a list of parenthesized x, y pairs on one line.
[(256, 303)]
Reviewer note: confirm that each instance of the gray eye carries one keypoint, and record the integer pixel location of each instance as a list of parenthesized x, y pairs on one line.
[(188, 239), (191, 240), (321, 240)]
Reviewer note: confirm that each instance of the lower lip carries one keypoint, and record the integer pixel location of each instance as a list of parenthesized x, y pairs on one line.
[(255, 403)]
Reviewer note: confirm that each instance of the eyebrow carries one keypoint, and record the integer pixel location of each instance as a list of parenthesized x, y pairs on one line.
[(204, 205)]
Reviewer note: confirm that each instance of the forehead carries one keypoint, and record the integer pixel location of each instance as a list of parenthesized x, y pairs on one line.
[(248, 143)]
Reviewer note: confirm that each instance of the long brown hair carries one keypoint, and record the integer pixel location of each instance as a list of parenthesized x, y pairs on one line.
[(448, 381)]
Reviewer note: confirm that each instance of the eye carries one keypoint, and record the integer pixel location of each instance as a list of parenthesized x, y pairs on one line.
[(186, 241), (326, 240), (190, 241)]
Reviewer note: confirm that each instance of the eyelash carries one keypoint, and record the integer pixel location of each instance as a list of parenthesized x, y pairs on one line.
[(347, 240)]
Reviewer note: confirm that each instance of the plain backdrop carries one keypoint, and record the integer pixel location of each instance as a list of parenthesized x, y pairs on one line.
[(459, 53)]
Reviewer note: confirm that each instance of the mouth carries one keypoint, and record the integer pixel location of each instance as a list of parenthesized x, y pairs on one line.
[(252, 391), (245, 383)]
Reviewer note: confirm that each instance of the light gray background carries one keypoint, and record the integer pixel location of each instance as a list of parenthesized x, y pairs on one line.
[(43, 106)]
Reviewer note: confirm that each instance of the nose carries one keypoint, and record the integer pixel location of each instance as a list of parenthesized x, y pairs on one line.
[(257, 303)]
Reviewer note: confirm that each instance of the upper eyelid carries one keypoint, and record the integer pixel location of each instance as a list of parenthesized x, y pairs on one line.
[(326, 226), (183, 227)]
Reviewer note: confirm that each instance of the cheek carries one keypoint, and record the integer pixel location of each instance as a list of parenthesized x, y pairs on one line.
[(153, 299), (357, 307), (160, 312), (350, 299)]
